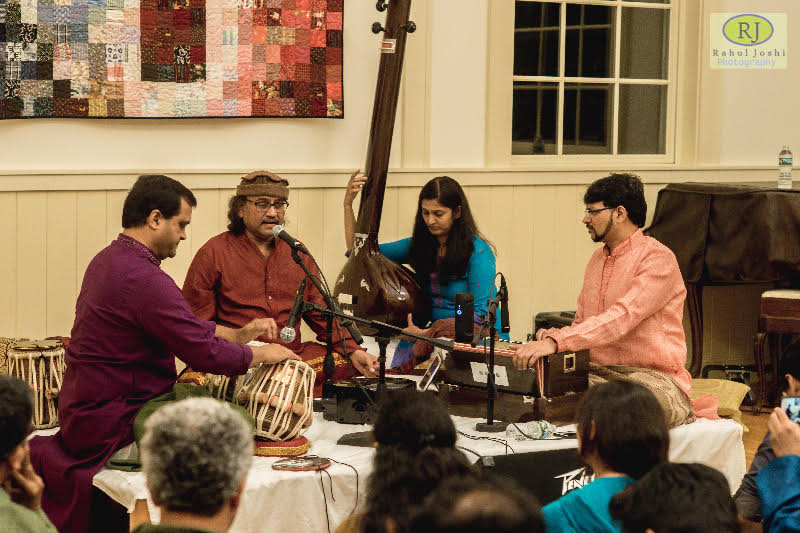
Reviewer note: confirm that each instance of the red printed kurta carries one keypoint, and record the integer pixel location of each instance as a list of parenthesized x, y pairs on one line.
[(231, 282), (630, 312)]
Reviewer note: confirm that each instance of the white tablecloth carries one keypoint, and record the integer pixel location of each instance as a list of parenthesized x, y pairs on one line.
[(277, 501)]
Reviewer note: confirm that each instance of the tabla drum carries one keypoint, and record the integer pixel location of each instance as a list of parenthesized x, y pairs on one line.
[(280, 398), (41, 365)]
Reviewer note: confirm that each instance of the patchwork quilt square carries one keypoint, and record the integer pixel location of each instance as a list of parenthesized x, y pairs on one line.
[(170, 58)]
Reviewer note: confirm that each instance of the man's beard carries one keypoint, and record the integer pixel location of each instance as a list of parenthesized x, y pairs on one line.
[(598, 237)]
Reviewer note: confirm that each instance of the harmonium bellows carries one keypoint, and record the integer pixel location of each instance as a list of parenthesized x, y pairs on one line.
[(551, 389)]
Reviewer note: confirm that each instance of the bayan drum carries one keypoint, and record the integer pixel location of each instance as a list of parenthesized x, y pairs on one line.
[(223, 387), (41, 365)]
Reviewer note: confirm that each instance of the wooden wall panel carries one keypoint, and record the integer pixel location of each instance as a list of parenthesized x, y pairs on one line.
[(50, 237), (32, 264), (61, 267), (91, 234), (9, 283)]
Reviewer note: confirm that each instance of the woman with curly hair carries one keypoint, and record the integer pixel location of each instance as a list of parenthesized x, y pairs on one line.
[(415, 451)]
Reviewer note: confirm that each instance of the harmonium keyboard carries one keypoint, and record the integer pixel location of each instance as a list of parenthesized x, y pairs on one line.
[(549, 390)]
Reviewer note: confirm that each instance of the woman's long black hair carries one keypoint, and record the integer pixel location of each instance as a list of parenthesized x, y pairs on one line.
[(424, 246), (416, 451)]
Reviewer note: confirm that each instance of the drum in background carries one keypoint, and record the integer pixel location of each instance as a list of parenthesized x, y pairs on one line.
[(41, 365), (280, 398)]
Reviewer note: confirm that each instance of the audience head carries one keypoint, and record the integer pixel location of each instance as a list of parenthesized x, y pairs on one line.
[(488, 504), (415, 439), (196, 454), (622, 425), (442, 212), (246, 208), (16, 411), (790, 366), (617, 190), (677, 498)]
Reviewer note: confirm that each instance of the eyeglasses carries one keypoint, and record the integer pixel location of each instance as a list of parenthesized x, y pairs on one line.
[(279, 206), (591, 212)]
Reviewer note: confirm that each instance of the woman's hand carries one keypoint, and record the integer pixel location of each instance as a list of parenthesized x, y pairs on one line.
[(411, 328), (356, 183)]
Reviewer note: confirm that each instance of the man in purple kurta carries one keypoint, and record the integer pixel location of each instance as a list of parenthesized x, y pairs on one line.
[(131, 321)]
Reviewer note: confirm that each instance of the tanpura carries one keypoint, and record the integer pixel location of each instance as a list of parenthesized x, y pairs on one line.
[(370, 285)]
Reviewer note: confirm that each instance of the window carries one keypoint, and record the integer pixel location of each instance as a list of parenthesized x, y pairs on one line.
[(591, 77)]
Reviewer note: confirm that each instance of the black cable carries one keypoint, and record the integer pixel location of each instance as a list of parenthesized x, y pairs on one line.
[(470, 451), (356, 472), (493, 439), (325, 499)]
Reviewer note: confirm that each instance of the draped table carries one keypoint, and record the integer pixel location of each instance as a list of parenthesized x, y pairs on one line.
[(728, 233), (278, 502)]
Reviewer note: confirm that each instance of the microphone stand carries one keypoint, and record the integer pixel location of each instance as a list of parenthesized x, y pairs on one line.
[(491, 312), (385, 332), (384, 335), (328, 364)]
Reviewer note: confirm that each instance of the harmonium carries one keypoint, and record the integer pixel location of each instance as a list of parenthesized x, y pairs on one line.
[(550, 390)]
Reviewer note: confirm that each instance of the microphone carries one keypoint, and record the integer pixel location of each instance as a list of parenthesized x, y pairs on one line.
[(505, 325), (280, 232), (351, 328), (288, 333)]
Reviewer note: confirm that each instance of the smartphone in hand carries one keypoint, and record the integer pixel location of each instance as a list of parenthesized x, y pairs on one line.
[(791, 406)]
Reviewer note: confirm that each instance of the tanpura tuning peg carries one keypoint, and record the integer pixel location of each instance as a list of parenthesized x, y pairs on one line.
[(380, 6), (377, 28), (410, 27)]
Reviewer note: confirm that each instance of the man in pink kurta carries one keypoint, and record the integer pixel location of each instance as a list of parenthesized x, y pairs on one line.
[(630, 308)]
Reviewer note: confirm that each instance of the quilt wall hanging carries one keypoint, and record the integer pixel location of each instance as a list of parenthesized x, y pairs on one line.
[(171, 58)]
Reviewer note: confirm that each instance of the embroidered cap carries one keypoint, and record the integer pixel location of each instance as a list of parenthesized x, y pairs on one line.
[(262, 182)]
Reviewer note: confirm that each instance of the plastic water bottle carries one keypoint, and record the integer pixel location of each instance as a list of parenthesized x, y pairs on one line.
[(785, 168), (536, 429)]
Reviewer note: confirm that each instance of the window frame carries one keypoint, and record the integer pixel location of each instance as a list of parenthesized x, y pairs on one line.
[(502, 78)]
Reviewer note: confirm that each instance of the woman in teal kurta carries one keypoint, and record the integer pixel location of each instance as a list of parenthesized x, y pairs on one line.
[(446, 251)]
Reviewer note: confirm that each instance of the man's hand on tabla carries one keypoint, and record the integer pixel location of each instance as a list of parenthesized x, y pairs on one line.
[(272, 353), (526, 354)]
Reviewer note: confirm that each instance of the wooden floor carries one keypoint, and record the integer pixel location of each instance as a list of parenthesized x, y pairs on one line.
[(757, 424)]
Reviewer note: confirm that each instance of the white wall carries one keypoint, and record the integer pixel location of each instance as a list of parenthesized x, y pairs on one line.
[(746, 116), (62, 182)]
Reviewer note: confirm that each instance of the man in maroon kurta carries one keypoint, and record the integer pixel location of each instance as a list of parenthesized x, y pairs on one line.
[(246, 273), (131, 320)]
